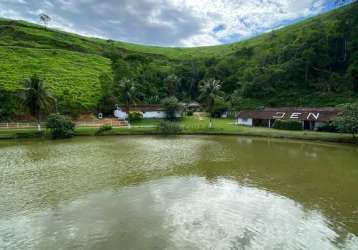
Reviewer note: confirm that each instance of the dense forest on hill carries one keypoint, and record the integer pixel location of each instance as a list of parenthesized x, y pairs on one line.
[(311, 63)]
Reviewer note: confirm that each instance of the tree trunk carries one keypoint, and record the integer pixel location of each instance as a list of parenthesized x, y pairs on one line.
[(127, 107), (210, 124), (127, 111), (38, 123)]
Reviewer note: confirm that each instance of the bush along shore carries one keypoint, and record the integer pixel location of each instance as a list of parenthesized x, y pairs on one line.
[(186, 126)]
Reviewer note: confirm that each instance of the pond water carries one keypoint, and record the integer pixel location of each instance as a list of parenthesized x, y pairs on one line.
[(189, 192)]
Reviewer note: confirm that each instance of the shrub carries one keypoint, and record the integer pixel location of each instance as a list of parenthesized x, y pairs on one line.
[(168, 128), (287, 125), (60, 126), (103, 129), (135, 116), (347, 120), (171, 106), (327, 128), (189, 113)]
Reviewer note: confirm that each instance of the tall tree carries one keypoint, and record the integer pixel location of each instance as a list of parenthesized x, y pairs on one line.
[(171, 106), (172, 82), (121, 70), (107, 99), (210, 89), (8, 105), (37, 98), (353, 71), (128, 92), (347, 120)]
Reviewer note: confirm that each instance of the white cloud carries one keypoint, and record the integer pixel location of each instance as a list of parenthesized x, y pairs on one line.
[(165, 22), (199, 40), (244, 18)]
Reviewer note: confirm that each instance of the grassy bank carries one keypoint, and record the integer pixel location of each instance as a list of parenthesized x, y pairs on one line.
[(192, 126)]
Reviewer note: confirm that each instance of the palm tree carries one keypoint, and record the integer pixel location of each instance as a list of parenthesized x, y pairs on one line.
[(37, 98), (173, 83), (209, 90), (128, 92)]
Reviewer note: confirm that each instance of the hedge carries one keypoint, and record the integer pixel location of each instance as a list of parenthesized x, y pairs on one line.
[(135, 116), (168, 128), (287, 125)]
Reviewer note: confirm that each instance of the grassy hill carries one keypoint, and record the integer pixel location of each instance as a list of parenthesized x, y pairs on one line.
[(25, 34), (309, 63)]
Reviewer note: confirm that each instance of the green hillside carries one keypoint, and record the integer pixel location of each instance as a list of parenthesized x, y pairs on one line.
[(313, 62), (75, 74)]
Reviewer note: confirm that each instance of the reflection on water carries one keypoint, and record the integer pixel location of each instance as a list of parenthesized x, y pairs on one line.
[(178, 193), (176, 213)]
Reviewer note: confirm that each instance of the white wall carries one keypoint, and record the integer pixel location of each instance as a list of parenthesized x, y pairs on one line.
[(154, 114), (245, 122), (146, 115), (119, 114)]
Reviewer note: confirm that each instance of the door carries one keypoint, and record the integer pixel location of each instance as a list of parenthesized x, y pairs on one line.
[(308, 125)]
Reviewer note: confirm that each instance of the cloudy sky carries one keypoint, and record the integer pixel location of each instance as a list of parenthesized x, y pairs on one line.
[(167, 22)]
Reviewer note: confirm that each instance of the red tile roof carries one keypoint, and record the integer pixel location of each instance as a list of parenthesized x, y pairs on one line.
[(144, 107)]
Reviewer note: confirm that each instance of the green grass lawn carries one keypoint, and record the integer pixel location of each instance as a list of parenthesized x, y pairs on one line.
[(192, 125), (12, 133)]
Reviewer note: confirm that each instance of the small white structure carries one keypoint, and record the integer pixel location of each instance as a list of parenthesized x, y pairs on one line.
[(244, 121), (119, 114), (154, 114), (149, 112)]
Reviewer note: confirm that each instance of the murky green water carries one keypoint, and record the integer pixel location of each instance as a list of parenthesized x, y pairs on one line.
[(178, 193)]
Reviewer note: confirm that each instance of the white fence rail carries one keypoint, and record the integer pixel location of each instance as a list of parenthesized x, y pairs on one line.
[(26, 125), (19, 125)]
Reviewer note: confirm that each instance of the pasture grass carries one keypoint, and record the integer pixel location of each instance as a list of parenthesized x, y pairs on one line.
[(194, 126)]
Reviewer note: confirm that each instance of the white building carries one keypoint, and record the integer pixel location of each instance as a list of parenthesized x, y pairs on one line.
[(149, 111), (244, 121), (311, 118)]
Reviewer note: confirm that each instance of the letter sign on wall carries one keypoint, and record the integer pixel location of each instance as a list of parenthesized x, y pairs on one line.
[(295, 115), (279, 115), (315, 116)]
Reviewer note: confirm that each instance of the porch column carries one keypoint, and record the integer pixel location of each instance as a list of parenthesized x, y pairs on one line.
[(269, 123)]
